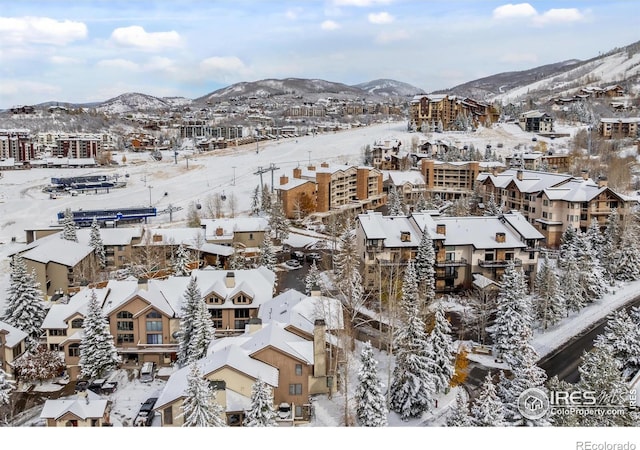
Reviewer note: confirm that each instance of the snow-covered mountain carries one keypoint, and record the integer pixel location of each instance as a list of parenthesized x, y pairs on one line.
[(389, 88), (135, 101), (618, 66)]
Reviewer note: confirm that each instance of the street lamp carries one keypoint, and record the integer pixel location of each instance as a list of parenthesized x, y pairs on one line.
[(149, 194)]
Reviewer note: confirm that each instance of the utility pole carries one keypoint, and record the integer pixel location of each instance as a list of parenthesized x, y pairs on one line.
[(260, 171), (233, 183), (272, 168)]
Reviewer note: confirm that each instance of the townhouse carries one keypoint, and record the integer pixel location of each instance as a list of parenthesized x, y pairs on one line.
[(547, 162), (13, 343), (536, 121), (552, 202), (464, 246), (244, 234), (409, 184), (87, 409), (450, 180), (619, 128), (440, 111)]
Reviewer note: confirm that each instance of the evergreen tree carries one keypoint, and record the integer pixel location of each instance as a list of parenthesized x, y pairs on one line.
[(627, 257), (265, 199), (262, 412), (181, 261), (199, 408), (95, 241), (278, 222), (571, 289), (69, 226), (255, 201), (513, 316), (487, 410), (421, 203), (595, 238), (460, 412), (394, 203), (312, 279), (621, 339), (412, 387), (98, 353), (6, 386), (267, 252), (196, 328), (371, 406), (550, 304), (492, 208), (237, 261), (611, 242), (592, 277), (600, 373), (425, 268), (346, 261), (442, 352), (39, 364), (24, 308)]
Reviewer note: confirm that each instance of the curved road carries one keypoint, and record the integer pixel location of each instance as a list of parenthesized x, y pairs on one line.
[(565, 361)]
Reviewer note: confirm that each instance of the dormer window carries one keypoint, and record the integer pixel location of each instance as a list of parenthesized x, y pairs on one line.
[(242, 299), (214, 300), (77, 323), (405, 236)]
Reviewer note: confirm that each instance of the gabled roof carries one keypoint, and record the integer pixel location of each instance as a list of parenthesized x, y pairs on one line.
[(399, 178), (174, 236), (292, 184), (390, 228), (532, 181), (154, 298), (58, 250), (13, 335), (91, 407), (274, 335), (60, 313), (236, 224), (110, 236), (231, 356)]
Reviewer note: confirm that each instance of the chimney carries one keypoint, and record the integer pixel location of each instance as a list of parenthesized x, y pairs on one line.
[(602, 181), (441, 228), (585, 174), (230, 280), (519, 174), (297, 172), (315, 290), (319, 349), (324, 164), (219, 231), (500, 237), (255, 324), (284, 180), (157, 238), (311, 168)]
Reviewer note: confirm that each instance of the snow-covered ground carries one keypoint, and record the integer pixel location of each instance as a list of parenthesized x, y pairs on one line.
[(233, 171)]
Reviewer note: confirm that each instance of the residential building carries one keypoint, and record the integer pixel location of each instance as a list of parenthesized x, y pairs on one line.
[(464, 246), (549, 161), (78, 146), (409, 184), (450, 180), (440, 111), (245, 234), (337, 188), (615, 128), (12, 345), (86, 409), (17, 144), (536, 122)]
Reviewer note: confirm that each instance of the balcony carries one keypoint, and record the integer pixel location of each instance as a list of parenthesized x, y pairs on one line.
[(451, 263), (499, 263)]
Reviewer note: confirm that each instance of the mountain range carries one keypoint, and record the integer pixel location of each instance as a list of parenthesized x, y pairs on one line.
[(618, 66)]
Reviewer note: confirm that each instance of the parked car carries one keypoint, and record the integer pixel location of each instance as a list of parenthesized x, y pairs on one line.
[(145, 415), (81, 385), (147, 373), (109, 387), (293, 264), (297, 254), (96, 385), (311, 257)]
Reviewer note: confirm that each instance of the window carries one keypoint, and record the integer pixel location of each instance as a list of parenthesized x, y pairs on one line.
[(57, 332), (241, 318), (74, 350), (125, 321), (52, 347), (298, 411), (298, 369), (214, 300), (154, 325), (295, 389), (216, 318), (251, 236), (124, 338), (168, 415), (154, 339), (77, 323), (242, 299)]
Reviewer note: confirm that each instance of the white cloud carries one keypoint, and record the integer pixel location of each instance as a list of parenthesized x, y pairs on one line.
[(559, 15), (118, 63), (329, 25), (526, 11), (380, 18), (136, 37), (40, 30), (292, 14), (63, 60), (361, 3), (392, 36), (510, 11)]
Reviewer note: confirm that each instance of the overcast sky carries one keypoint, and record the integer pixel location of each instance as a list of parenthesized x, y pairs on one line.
[(93, 50)]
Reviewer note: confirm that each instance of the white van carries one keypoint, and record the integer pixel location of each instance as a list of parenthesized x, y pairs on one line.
[(147, 372)]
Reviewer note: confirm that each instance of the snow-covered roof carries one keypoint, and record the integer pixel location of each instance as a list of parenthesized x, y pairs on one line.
[(231, 356), (213, 249), (275, 335), (233, 225), (291, 184), (86, 406), (300, 311), (399, 178), (521, 225), (154, 298), (13, 336), (110, 236), (576, 190), (174, 236), (61, 251), (390, 228), (256, 283), (532, 181)]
